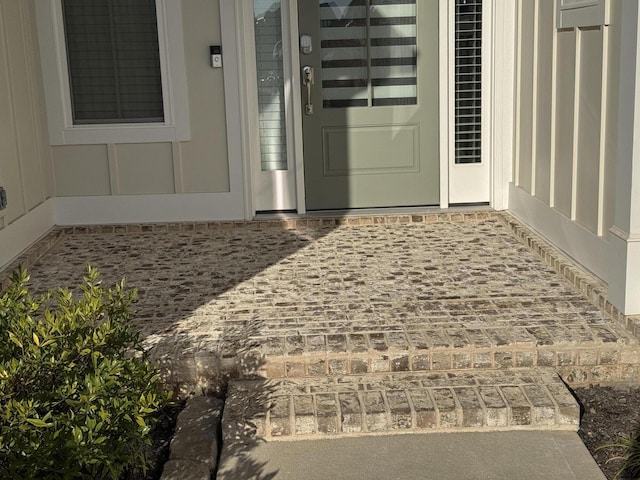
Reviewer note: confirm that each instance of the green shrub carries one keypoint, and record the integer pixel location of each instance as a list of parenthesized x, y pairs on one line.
[(78, 396)]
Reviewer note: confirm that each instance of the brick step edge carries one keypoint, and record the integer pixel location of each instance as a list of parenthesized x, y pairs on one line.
[(607, 364), (287, 409), (295, 366)]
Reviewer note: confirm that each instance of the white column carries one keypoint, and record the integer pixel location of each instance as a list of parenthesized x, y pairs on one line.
[(503, 100), (624, 279), (235, 108)]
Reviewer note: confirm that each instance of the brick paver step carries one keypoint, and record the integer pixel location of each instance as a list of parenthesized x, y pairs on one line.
[(580, 360), (286, 409)]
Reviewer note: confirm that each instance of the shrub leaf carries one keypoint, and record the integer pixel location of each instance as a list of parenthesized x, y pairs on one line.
[(36, 422)]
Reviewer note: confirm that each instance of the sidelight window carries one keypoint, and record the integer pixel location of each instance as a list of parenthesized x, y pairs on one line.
[(270, 71), (468, 81)]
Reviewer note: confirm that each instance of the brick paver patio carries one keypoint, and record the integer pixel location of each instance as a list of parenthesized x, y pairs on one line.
[(353, 301)]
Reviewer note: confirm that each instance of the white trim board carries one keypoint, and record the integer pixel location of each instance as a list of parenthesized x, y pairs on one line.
[(237, 153), (122, 209), (502, 123), (446, 68), (25, 231), (584, 247)]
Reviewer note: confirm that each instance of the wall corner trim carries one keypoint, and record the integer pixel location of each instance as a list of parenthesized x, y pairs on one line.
[(622, 235), (624, 283), (16, 237)]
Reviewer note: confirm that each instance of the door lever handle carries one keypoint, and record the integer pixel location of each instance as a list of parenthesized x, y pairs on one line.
[(308, 79)]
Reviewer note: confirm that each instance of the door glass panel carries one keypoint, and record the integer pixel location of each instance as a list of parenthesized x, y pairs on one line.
[(393, 53), (468, 88), (368, 53), (271, 101), (343, 41)]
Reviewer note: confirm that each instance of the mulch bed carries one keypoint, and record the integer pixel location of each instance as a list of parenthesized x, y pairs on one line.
[(608, 414)]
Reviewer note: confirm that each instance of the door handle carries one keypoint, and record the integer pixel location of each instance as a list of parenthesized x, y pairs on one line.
[(308, 80)]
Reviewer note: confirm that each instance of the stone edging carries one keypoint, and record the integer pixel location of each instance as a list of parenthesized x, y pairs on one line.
[(196, 443), (285, 223)]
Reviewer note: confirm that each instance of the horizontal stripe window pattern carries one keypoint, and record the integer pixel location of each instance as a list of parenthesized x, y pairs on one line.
[(113, 60), (369, 53), (468, 81), (271, 102)]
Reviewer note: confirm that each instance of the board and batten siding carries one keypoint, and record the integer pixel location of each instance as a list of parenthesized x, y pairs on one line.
[(25, 155), (199, 165), (565, 140)]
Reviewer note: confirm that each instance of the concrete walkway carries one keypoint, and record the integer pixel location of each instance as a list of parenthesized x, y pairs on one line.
[(449, 456)]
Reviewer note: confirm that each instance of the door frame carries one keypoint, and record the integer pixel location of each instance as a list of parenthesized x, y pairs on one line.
[(498, 118)]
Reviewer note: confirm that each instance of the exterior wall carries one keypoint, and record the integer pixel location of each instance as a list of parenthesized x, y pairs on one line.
[(566, 122), (196, 166), (25, 156)]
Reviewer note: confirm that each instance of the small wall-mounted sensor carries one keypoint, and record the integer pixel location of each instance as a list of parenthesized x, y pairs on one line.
[(216, 56), (306, 44)]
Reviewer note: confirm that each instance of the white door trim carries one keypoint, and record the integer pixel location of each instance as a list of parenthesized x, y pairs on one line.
[(446, 14), (471, 182), (239, 14), (296, 103), (280, 186), (500, 92)]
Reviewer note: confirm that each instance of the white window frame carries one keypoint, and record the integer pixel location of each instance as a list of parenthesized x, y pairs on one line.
[(55, 73)]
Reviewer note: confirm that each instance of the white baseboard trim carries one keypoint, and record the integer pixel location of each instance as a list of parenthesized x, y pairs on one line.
[(583, 246), (16, 237), (123, 209)]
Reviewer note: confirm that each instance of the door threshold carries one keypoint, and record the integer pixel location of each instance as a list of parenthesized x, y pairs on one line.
[(358, 212)]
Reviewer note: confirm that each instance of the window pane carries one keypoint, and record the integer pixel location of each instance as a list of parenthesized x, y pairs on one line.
[(393, 52), (468, 81), (368, 53), (114, 61), (271, 101), (345, 70)]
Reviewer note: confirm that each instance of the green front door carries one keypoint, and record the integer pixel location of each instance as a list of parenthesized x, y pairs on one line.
[(370, 119)]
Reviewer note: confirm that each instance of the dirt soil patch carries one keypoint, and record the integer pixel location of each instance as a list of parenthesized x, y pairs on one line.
[(608, 414)]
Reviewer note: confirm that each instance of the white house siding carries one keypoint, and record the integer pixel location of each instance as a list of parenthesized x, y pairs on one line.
[(199, 165), (566, 117), (25, 156)]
